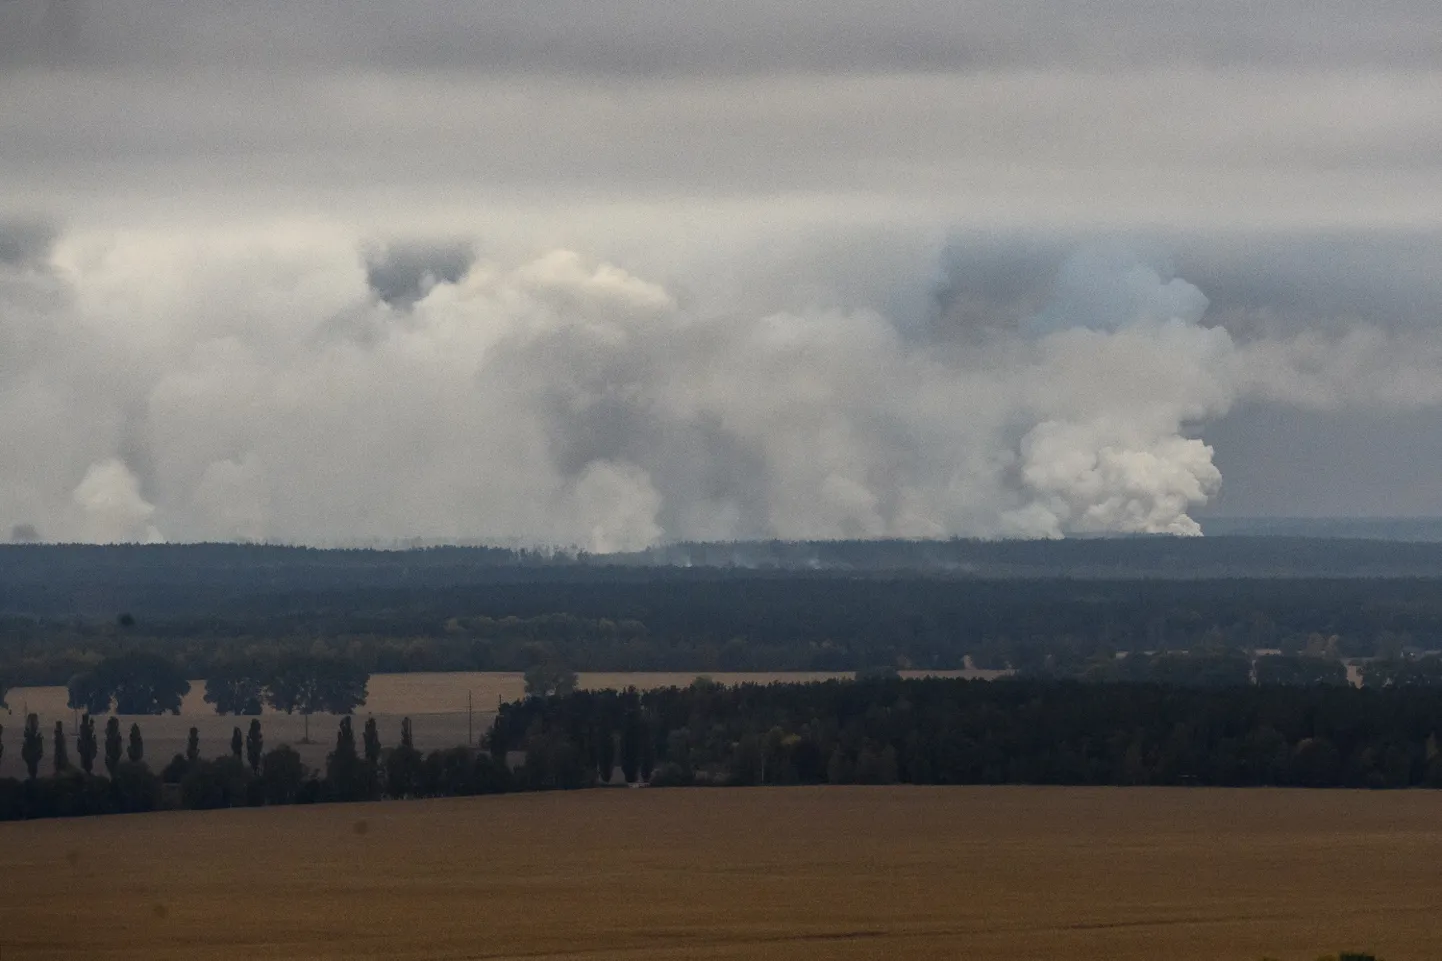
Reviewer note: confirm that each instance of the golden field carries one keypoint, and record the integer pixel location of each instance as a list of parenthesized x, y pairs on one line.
[(802, 873)]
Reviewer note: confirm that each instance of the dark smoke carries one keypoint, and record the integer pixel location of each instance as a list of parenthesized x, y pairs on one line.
[(401, 274)]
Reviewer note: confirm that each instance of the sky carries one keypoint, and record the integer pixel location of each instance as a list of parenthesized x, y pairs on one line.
[(608, 273)]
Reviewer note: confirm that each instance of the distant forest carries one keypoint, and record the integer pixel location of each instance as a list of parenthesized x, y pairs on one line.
[(875, 731), (65, 609), (953, 731)]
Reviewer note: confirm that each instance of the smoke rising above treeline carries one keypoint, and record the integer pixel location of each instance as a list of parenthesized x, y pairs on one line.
[(326, 389), (593, 273)]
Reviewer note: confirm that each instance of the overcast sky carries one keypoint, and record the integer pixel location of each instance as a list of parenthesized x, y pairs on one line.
[(609, 272)]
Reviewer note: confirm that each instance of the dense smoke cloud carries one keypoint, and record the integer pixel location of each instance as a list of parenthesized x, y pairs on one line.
[(590, 272), (274, 391)]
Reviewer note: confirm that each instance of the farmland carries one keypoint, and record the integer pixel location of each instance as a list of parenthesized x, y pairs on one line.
[(804, 873)]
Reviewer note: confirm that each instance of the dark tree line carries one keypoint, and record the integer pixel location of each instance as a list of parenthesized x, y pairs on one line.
[(948, 731), (598, 619), (135, 682), (875, 731), (140, 682), (247, 775)]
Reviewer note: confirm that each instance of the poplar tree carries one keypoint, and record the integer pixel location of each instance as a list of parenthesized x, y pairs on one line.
[(33, 747), (254, 745), (135, 751), (62, 753), (113, 745), (237, 743), (345, 740), (86, 746), (192, 746), (372, 741)]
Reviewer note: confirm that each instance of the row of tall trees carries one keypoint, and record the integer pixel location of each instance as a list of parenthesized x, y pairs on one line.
[(87, 746), (248, 775)]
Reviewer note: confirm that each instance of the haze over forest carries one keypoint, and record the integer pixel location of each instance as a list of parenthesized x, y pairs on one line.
[(592, 273)]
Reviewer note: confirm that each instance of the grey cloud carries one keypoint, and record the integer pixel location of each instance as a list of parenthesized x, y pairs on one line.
[(685, 36), (1281, 462), (1055, 150), (1275, 283), (24, 534), (25, 243), (1257, 283), (403, 273)]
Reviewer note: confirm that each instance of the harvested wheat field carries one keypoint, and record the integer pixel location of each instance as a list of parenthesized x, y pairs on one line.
[(805, 873)]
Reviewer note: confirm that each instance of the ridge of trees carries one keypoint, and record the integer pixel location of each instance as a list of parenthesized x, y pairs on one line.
[(737, 621)]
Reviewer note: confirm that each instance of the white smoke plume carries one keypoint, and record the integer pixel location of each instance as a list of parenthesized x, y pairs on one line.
[(259, 387)]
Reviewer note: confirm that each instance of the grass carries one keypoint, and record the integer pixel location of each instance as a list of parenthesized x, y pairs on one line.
[(797, 874)]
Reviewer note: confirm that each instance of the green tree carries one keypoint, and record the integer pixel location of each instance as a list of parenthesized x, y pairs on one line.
[(208, 785), (86, 746), (236, 688), (135, 787), (88, 693), (62, 753), (549, 676), (32, 747), (135, 750), (631, 736), (192, 746), (403, 766), (254, 745), (345, 739), (237, 744), (747, 761), (113, 745), (605, 752), (141, 683), (349, 778), (308, 685), (282, 774), (647, 757), (372, 742), (838, 767)]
